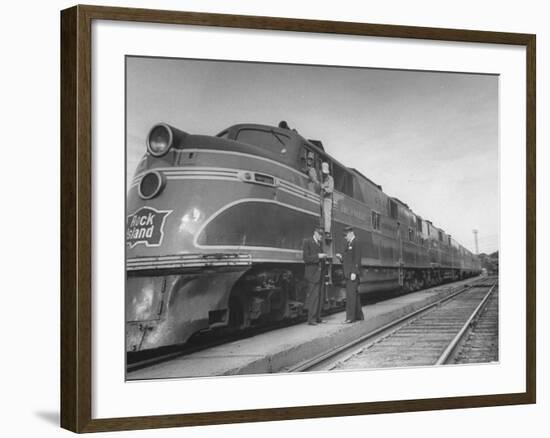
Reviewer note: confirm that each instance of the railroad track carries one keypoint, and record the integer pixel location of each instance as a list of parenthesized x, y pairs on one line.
[(440, 333), (480, 344)]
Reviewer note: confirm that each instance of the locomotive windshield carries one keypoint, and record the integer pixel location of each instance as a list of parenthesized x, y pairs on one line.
[(269, 139)]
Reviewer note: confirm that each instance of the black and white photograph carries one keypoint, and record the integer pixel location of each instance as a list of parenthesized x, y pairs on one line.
[(286, 218), (275, 219)]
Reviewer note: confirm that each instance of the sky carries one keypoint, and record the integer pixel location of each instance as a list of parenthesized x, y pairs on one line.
[(429, 138)]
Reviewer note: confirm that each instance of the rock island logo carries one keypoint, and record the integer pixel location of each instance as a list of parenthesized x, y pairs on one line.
[(146, 226)]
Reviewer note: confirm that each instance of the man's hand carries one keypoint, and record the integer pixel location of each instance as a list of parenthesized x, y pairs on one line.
[(322, 255), (352, 276)]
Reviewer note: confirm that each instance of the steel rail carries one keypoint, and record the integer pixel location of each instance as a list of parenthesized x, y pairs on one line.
[(452, 345), (316, 360)]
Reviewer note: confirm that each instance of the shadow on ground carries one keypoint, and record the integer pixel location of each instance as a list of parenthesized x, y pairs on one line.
[(51, 417)]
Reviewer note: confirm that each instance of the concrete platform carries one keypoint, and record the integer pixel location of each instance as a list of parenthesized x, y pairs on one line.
[(273, 351)]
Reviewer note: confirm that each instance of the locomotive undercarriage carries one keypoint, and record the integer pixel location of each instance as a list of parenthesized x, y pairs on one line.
[(272, 293), (269, 293), (416, 279)]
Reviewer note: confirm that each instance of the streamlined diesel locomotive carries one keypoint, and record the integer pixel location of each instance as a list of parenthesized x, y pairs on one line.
[(216, 224)]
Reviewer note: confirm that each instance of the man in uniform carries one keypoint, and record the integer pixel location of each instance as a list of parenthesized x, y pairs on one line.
[(310, 168), (313, 256), (351, 263)]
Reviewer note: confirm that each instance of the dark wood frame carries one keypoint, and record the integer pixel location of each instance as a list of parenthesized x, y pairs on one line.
[(76, 217)]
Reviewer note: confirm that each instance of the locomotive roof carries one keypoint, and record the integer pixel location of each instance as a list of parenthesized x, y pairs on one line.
[(354, 170), (399, 201), (315, 144), (298, 139)]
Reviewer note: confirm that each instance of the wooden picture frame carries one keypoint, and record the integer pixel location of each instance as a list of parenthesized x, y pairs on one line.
[(76, 217)]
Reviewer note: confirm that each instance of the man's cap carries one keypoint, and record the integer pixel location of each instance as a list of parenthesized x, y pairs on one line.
[(318, 229), (348, 229), (310, 155)]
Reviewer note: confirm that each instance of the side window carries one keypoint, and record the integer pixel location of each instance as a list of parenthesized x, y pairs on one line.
[(411, 234), (343, 181), (440, 236), (418, 224), (303, 160), (375, 220), (392, 208), (357, 192)]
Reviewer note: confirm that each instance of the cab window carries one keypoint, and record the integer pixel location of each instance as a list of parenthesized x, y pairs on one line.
[(259, 137), (304, 154)]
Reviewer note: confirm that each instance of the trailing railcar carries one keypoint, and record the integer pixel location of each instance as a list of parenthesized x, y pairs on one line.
[(215, 228)]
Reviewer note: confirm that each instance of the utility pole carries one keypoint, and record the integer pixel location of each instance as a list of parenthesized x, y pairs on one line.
[(475, 239)]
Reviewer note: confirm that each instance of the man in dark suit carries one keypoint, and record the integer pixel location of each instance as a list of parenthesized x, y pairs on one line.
[(351, 263), (313, 255)]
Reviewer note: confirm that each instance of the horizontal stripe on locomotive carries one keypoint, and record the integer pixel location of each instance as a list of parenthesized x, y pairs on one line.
[(364, 265), (242, 154), (226, 174), (215, 173), (188, 261), (175, 262), (198, 171)]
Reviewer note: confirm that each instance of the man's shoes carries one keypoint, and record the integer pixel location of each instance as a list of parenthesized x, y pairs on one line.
[(312, 323), (321, 321), (348, 321)]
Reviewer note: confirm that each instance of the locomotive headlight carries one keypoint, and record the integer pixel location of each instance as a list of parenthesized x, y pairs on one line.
[(159, 140), (151, 185)]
